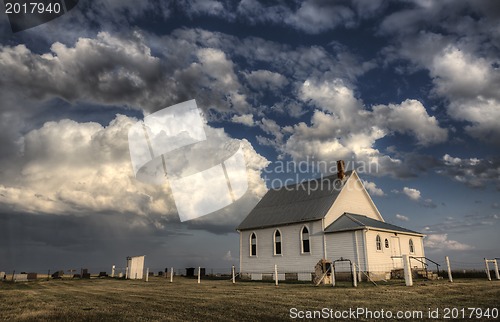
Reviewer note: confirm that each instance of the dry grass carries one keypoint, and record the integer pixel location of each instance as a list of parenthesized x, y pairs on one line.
[(109, 299)]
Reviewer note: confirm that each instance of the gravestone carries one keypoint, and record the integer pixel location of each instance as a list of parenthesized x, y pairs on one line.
[(189, 271), (85, 273), (58, 274)]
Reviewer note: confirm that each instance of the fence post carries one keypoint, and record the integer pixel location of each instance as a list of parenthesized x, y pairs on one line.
[(332, 268), (497, 275), (354, 276), (276, 274), (171, 275), (407, 271), (147, 274), (199, 275), (126, 273), (232, 272), (449, 269), (487, 269), (113, 271)]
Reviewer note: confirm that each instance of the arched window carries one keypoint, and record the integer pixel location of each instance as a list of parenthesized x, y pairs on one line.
[(412, 249), (253, 245), (386, 243), (304, 236), (379, 243), (277, 242)]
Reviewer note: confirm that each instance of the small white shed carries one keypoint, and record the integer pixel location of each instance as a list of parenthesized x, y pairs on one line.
[(135, 267)]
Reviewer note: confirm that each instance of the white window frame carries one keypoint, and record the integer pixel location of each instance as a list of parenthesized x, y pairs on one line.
[(378, 242), (281, 243), (302, 240), (250, 243)]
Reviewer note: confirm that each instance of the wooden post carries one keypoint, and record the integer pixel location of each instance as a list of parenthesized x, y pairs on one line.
[(487, 269), (497, 275), (126, 273), (171, 274), (276, 274), (354, 276), (147, 274), (199, 275), (407, 271), (48, 275), (358, 269), (113, 271), (449, 269), (232, 272), (332, 269)]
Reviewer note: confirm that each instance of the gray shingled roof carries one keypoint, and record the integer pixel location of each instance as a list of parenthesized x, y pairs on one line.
[(294, 203), (349, 221)]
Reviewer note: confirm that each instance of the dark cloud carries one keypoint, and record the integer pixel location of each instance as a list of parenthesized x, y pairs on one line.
[(473, 172), (34, 242), (461, 225), (41, 242), (311, 16)]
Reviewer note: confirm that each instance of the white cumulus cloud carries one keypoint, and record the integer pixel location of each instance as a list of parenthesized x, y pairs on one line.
[(412, 193), (373, 189), (402, 218), (245, 119), (67, 167), (441, 241), (342, 127)]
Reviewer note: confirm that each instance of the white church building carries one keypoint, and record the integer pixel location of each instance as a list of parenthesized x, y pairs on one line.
[(330, 218)]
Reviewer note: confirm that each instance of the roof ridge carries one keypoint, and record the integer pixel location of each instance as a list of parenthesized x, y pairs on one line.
[(354, 219), (311, 180), (296, 202)]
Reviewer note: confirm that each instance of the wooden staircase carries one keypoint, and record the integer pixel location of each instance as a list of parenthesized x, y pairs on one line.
[(423, 273)]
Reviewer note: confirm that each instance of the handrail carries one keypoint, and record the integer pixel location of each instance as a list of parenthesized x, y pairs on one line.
[(423, 263), (419, 259), (430, 260)]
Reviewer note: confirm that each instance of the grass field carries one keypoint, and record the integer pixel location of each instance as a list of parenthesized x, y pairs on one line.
[(185, 300)]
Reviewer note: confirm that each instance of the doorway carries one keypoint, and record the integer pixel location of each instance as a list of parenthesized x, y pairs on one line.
[(397, 261)]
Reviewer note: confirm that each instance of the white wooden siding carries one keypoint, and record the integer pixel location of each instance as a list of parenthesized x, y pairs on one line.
[(344, 245), (292, 259), (353, 199), (382, 261)]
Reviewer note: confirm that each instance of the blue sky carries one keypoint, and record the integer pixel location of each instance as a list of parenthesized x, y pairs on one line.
[(410, 86)]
